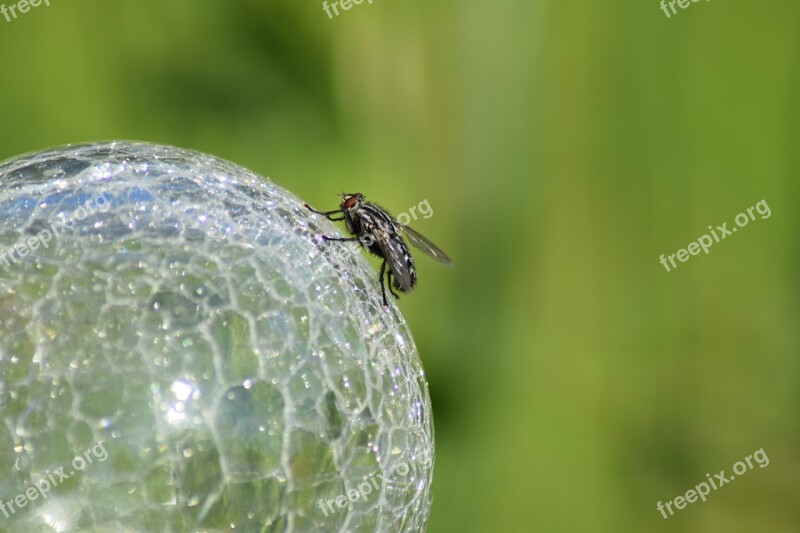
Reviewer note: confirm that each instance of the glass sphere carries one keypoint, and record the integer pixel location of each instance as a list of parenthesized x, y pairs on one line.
[(180, 351)]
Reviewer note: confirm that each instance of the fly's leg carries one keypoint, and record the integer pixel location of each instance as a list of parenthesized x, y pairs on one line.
[(339, 239), (329, 216), (389, 282), (333, 253), (326, 214), (337, 255), (383, 287)]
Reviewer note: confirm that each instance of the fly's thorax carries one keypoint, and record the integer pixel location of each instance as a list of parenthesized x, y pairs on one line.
[(351, 221), (377, 217)]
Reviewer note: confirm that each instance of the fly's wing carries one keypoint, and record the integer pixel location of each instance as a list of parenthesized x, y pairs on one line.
[(424, 245), (378, 224), (396, 253)]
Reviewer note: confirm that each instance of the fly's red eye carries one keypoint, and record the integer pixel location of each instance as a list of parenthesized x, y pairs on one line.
[(349, 201)]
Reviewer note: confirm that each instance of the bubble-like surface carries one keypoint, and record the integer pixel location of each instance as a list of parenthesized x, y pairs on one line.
[(185, 319)]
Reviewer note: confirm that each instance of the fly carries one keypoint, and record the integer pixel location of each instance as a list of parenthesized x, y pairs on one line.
[(381, 235)]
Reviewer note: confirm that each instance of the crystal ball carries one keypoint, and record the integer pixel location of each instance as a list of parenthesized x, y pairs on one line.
[(181, 351)]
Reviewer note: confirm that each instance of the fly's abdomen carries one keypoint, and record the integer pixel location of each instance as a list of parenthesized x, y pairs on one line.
[(412, 276), (402, 265)]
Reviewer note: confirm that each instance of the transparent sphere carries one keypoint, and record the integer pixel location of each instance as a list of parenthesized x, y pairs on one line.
[(179, 351)]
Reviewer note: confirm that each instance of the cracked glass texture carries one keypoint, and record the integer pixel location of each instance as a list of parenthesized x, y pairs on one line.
[(185, 316)]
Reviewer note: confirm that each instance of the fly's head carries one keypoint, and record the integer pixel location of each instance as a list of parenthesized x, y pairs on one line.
[(351, 203)]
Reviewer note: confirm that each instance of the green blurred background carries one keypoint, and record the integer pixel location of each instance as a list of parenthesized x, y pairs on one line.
[(563, 146)]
